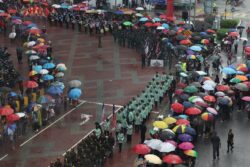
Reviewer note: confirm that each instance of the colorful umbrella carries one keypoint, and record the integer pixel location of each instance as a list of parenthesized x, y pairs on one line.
[(75, 93), (180, 129), (172, 159), (43, 71), (153, 159), (186, 146), (241, 77), (192, 111), (208, 87), (30, 84), (177, 107), (181, 85), (191, 153), (32, 73), (185, 42), (6, 111), (160, 124), (169, 120), (185, 137), (127, 23), (201, 104), (44, 99), (141, 149), (207, 116)]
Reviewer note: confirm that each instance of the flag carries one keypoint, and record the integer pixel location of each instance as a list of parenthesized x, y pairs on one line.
[(114, 118), (103, 112)]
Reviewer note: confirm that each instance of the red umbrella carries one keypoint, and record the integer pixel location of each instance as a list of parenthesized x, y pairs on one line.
[(178, 91), (156, 24), (35, 31), (12, 118), (163, 16), (181, 85), (246, 98), (181, 23), (11, 11), (247, 49), (222, 87), (6, 111), (141, 149), (148, 24), (172, 159), (27, 23), (4, 15), (201, 104), (177, 107), (193, 111), (234, 34), (209, 98), (185, 42), (30, 84), (186, 146), (182, 122), (211, 31)]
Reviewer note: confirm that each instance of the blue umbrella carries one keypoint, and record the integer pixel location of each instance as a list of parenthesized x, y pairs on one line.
[(37, 68), (165, 25), (49, 65), (190, 131), (74, 93), (157, 19), (12, 94), (195, 48), (47, 77), (185, 137), (232, 66), (184, 96), (183, 116), (30, 106), (187, 104), (32, 25), (15, 17), (203, 33), (228, 70), (247, 75), (43, 61), (143, 19), (232, 30), (223, 101), (54, 90), (58, 84), (118, 12), (241, 73), (43, 100)]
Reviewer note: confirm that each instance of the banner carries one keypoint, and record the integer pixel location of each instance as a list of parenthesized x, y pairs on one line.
[(156, 63)]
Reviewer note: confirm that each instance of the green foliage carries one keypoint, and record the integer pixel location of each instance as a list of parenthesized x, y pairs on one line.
[(221, 33), (210, 19), (229, 23)]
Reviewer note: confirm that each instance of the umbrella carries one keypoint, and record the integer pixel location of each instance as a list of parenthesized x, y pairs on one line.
[(165, 25), (166, 147), (241, 77), (177, 107), (172, 159), (246, 98), (228, 70), (75, 93), (187, 104), (153, 159), (143, 19), (127, 23), (212, 110), (209, 82), (49, 65), (209, 98), (139, 15), (185, 137), (186, 146), (182, 122), (184, 96), (54, 90), (34, 57), (242, 87), (192, 98), (195, 48), (192, 111), (183, 74), (201, 73), (141, 149), (156, 19), (167, 134), (191, 153), (32, 73), (208, 87), (58, 84), (20, 114), (240, 27), (61, 68), (30, 52), (30, 84), (139, 8), (220, 94), (206, 116), (201, 104), (160, 28), (37, 68), (59, 75), (180, 129), (178, 91), (12, 118), (6, 111), (222, 87), (185, 42), (190, 89), (153, 143), (75, 83), (43, 71), (223, 101), (160, 124), (44, 99), (169, 120), (12, 94), (180, 37), (181, 85), (47, 77)]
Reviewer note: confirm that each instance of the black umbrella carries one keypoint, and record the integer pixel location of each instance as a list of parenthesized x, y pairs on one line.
[(196, 38), (171, 32), (240, 27), (180, 37), (181, 47), (167, 134)]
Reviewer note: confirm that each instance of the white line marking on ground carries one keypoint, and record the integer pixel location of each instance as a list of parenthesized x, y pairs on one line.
[(3, 157), (119, 107), (81, 102), (106, 104)]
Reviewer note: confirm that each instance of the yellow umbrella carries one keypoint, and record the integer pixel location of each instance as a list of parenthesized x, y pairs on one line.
[(153, 159), (41, 40), (169, 120), (25, 44), (160, 124), (179, 129)]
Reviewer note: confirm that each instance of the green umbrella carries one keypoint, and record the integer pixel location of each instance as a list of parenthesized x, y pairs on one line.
[(190, 89), (127, 23), (235, 80), (192, 98)]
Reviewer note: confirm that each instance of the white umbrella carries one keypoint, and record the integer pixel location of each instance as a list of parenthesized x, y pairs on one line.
[(160, 28), (56, 6), (153, 143), (139, 8), (59, 74), (220, 94), (31, 43), (210, 82), (30, 52), (12, 35), (166, 147), (201, 72), (60, 65), (197, 99), (183, 74), (20, 114), (75, 83), (244, 39), (153, 159), (43, 72), (208, 87), (34, 57)]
